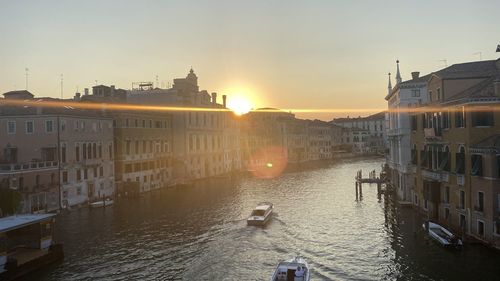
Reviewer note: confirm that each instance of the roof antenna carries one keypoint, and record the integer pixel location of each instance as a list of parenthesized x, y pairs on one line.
[(480, 55), (26, 70), (62, 80)]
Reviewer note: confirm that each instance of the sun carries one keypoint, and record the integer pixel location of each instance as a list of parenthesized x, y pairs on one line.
[(239, 105)]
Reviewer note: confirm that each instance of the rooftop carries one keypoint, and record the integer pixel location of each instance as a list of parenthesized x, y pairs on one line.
[(19, 221)]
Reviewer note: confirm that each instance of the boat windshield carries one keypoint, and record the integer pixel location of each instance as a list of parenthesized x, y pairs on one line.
[(259, 213)]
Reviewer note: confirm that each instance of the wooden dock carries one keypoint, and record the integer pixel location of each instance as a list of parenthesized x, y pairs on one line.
[(371, 179)]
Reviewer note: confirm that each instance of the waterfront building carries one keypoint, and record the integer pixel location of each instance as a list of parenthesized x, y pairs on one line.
[(320, 140), (142, 143), (55, 156), (205, 136), (404, 96), (365, 135), (455, 148)]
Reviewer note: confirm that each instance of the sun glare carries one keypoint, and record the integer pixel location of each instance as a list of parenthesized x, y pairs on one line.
[(239, 105)]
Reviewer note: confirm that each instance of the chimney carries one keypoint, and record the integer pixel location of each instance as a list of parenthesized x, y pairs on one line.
[(224, 97), (415, 74), (214, 98), (86, 91), (77, 96), (496, 87)]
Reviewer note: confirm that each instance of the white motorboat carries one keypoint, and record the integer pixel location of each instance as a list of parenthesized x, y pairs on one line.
[(261, 214), (102, 203), (295, 269), (442, 235)]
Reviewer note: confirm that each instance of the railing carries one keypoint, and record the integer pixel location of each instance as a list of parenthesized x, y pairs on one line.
[(436, 175), (9, 168)]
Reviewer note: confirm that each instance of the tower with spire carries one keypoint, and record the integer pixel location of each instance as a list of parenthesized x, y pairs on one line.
[(389, 86), (398, 75)]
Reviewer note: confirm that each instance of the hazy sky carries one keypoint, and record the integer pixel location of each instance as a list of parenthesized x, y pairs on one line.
[(287, 54)]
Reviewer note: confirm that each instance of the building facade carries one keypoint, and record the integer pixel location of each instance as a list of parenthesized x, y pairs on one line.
[(400, 99), (455, 150)]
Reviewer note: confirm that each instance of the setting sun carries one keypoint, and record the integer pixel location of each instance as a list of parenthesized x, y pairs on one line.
[(239, 105)]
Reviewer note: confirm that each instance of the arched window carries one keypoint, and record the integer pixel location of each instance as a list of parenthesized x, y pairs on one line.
[(460, 161)]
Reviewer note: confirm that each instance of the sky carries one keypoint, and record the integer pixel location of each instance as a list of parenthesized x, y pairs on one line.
[(284, 54)]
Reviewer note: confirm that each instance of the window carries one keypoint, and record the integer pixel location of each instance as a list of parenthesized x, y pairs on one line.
[(63, 154), (127, 147), (94, 149), (444, 157), (63, 125), (65, 176), (447, 213), (430, 96), (101, 171), (480, 202), (480, 228), (460, 118), (84, 150), (463, 222), (415, 93), (100, 150), (482, 117), (439, 94), (477, 165), (49, 126), (85, 174), (11, 127), (462, 200), (446, 120), (94, 172), (414, 122), (460, 161), (447, 194), (79, 191), (77, 153), (30, 127), (79, 175), (110, 151)]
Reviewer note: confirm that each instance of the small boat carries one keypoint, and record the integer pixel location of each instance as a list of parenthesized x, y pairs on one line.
[(442, 235), (295, 269), (102, 203), (261, 214)]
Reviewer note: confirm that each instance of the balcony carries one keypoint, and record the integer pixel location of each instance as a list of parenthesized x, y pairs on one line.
[(395, 132), (431, 134), (26, 167), (435, 175)]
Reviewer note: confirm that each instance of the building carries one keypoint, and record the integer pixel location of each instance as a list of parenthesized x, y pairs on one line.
[(206, 134), (455, 145), (404, 96), (142, 142), (54, 155), (366, 135)]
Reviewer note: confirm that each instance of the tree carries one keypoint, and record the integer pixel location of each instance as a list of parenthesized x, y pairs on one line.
[(10, 200)]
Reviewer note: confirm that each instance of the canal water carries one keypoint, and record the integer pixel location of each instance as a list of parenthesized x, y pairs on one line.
[(200, 233)]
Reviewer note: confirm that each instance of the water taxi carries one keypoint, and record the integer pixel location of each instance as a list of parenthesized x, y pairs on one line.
[(295, 269), (442, 235), (261, 214), (26, 244)]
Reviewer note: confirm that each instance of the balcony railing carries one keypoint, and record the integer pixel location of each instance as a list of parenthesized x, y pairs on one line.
[(17, 167), (436, 175)]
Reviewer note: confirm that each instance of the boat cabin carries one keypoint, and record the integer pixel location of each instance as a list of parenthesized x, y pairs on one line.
[(291, 271), (25, 241)]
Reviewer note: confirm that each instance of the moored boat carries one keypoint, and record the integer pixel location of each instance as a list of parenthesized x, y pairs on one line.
[(261, 214), (295, 269), (102, 203), (442, 235), (26, 244)]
